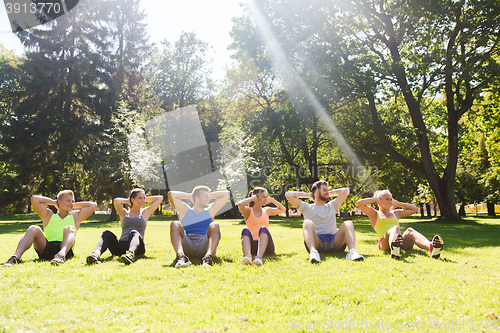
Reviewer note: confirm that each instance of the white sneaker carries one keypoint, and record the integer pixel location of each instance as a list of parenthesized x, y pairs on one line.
[(246, 260), (258, 261), (314, 257), (354, 255), (437, 246), (395, 244)]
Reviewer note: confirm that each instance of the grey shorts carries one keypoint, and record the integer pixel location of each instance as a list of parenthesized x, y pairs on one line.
[(195, 245)]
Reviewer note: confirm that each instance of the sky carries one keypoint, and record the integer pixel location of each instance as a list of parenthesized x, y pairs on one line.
[(209, 19)]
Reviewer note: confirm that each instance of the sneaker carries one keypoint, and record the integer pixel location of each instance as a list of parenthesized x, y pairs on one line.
[(396, 244), (127, 258), (181, 261), (436, 247), (258, 261), (354, 255), (314, 257), (206, 261), (12, 261), (59, 259), (246, 260), (93, 259)]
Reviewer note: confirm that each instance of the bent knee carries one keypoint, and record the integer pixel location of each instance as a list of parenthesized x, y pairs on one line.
[(34, 228), (348, 223), (175, 225), (307, 224), (409, 231), (214, 226), (69, 228)]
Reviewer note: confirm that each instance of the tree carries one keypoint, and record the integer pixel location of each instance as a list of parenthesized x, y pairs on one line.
[(182, 77), (60, 123), (416, 50)]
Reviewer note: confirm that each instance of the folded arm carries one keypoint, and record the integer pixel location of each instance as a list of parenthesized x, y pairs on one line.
[(294, 196)]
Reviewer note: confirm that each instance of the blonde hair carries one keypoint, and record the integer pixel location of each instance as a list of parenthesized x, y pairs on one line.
[(378, 194), (64, 192)]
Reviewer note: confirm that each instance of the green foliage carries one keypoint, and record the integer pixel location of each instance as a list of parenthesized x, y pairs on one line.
[(63, 98), (396, 56), (181, 75)]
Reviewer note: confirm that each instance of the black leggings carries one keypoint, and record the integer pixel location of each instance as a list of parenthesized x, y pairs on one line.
[(117, 247)]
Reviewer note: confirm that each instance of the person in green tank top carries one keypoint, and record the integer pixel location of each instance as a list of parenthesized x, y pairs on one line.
[(57, 238), (385, 222)]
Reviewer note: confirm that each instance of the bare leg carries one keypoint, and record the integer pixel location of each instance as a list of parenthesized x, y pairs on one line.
[(411, 236), (176, 234), (346, 235), (393, 232), (68, 240), (33, 236), (213, 234), (263, 239), (245, 243), (310, 235)]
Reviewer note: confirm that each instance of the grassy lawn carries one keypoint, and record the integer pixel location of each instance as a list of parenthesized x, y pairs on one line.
[(458, 291)]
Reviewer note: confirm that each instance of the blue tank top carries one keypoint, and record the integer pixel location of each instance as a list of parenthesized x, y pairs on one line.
[(132, 223), (196, 223)]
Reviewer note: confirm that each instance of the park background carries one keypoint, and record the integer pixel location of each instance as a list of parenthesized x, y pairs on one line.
[(367, 95)]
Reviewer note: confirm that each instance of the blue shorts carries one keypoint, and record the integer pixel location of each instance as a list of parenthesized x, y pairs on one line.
[(326, 244)]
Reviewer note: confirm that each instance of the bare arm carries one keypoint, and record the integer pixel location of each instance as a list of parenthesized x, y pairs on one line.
[(176, 197), (156, 201), (274, 210), (407, 210), (340, 193), (242, 206), (220, 200), (293, 197), (86, 209), (118, 203), (364, 205), (39, 204)]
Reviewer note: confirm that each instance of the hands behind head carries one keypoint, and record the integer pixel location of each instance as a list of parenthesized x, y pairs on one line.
[(395, 203)]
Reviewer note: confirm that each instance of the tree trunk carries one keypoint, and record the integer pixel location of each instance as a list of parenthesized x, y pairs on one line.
[(428, 206), (461, 211), (491, 208), (114, 215)]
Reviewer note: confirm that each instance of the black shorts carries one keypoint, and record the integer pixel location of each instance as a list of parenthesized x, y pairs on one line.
[(51, 248)]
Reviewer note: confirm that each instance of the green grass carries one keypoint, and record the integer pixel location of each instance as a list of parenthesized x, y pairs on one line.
[(283, 295)]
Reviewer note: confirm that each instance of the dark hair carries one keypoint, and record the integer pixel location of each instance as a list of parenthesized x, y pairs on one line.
[(133, 194), (256, 191), (198, 189), (317, 185)]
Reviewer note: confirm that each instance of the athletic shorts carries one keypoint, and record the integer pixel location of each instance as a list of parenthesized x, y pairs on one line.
[(51, 249), (195, 245), (327, 245)]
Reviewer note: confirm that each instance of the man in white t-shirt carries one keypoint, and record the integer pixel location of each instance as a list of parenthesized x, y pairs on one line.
[(320, 225)]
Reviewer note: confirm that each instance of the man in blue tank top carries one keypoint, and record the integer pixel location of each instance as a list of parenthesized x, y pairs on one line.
[(196, 234), (56, 240)]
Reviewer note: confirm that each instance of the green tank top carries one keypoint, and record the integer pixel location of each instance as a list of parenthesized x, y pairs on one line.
[(55, 229), (384, 224)]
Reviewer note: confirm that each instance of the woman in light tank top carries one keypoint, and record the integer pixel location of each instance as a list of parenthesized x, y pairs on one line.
[(256, 239), (385, 222), (133, 223)]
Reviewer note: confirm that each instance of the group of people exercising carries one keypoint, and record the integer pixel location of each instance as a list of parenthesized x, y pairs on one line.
[(197, 235)]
